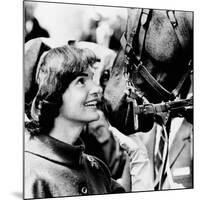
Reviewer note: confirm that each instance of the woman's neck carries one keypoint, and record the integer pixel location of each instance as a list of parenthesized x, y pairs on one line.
[(66, 131)]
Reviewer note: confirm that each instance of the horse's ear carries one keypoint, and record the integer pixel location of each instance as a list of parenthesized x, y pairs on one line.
[(33, 50)]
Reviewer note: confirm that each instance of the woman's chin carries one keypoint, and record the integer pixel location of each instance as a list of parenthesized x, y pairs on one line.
[(94, 117)]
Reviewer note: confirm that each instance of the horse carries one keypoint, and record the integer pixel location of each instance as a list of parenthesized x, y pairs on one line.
[(150, 81)]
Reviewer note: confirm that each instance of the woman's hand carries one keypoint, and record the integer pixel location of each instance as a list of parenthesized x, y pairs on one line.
[(128, 144), (140, 170)]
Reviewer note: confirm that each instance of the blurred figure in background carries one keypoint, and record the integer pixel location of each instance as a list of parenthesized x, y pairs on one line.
[(32, 27), (91, 22), (111, 26), (104, 26), (98, 24)]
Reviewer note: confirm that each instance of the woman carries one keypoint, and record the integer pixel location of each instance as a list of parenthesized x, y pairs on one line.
[(67, 99)]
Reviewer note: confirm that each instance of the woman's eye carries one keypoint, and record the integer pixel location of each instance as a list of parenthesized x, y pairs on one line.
[(81, 81)]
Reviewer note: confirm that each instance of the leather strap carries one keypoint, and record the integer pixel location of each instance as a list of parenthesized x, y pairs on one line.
[(127, 40), (177, 90), (180, 27), (132, 28), (130, 50), (145, 19), (165, 94)]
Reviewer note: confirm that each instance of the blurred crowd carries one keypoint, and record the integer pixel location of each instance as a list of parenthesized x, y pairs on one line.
[(63, 22)]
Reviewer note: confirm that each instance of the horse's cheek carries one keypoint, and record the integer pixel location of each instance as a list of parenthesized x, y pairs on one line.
[(114, 91)]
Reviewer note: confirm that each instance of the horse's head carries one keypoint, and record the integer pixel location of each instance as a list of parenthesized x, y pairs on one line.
[(164, 49)]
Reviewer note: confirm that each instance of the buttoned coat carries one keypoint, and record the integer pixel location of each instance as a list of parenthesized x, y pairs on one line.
[(56, 169)]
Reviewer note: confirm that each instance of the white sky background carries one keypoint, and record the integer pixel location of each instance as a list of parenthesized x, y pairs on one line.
[(11, 100)]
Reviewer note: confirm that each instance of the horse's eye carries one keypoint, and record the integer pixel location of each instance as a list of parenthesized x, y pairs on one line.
[(104, 77)]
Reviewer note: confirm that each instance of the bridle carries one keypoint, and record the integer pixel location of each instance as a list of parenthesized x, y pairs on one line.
[(132, 58)]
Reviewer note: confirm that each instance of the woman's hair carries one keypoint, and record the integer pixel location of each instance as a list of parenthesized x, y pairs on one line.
[(57, 68)]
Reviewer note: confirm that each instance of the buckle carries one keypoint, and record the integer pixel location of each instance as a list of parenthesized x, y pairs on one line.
[(128, 48), (148, 109), (172, 18)]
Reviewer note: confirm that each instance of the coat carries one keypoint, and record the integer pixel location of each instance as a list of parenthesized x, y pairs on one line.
[(56, 169), (106, 148)]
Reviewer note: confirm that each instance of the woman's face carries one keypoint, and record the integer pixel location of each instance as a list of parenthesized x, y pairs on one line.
[(80, 99)]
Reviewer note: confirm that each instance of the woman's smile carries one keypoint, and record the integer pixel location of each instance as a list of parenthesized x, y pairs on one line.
[(91, 103)]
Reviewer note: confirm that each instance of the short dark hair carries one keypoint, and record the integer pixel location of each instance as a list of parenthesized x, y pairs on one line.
[(56, 69)]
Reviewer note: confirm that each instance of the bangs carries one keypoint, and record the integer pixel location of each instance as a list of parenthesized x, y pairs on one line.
[(89, 57), (78, 63)]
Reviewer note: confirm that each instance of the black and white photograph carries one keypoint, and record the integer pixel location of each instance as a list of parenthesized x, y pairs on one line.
[(105, 104), (108, 99)]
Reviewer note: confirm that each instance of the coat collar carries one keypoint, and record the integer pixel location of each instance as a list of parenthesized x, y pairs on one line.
[(55, 150)]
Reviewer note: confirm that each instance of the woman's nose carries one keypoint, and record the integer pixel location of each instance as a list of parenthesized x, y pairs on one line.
[(95, 88)]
